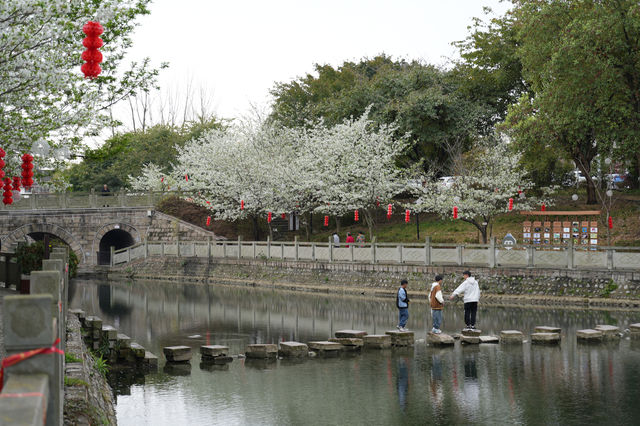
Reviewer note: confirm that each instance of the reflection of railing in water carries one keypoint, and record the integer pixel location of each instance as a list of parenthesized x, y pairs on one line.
[(486, 255)]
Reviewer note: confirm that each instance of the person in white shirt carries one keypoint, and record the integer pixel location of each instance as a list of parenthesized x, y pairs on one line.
[(471, 291), (336, 239)]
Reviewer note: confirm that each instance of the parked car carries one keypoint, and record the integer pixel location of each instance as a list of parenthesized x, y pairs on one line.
[(446, 181), (576, 178)]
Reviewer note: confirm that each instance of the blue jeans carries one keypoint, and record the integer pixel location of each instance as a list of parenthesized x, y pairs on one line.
[(403, 316), (436, 314)]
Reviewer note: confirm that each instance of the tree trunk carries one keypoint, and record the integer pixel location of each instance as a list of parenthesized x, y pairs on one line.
[(309, 226), (338, 224), (368, 217), (256, 229)]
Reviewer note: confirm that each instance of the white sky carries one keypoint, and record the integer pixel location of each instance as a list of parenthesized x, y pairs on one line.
[(238, 49)]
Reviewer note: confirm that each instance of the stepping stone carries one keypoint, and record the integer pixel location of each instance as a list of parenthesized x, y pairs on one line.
[(349, 343), (218, 360), (262, 351), (293, 350), (609, 331), (545, 338), (589, 335), (470, 340), (547, 329), (401, 338), (489, 339), (441, 339), (635, 330), (323, 347), (150, 359), (471, 332), (350, 334), (80, 314), (124, 341), (213, 351), (138, 351), (511, 336), (177, 353), (110, 332), (93, 322), (377, 341)]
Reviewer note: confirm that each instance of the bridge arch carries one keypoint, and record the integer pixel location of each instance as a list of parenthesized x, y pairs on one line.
[(117, 234), (45, 228)]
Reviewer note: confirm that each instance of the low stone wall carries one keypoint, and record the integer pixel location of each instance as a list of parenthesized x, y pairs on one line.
[(499, 285), (88, 398)]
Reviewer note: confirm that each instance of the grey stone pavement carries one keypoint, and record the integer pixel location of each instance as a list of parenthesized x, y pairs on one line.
[(3, 292)]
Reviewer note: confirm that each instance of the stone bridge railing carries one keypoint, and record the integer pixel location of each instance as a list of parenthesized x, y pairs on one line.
[(428, 254), (86, 200)]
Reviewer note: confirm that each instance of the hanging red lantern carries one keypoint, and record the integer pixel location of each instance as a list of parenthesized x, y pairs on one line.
[(162, 179), (208, 220), (377, 201), (269, 217), (7, 195), (519, 190), (27, 170), (510, 204), (16, 183), (241, 204), (92, 56), (389, 211), (283, 215), (543, 207), (407, 215), (455, 212), (326, 221), (186, 177), (610, 222), (356, 216), (2, 153)]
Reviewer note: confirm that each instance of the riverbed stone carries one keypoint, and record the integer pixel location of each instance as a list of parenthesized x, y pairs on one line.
[(293, 350), (325, 347), (589, 335), (470, 340), (349, 343), (262, 351), (212, 351), (511, 336), (441, 339), (177, 353), (401, 338), (350, 334), (547, 329), (109, 332), (377, 341), (474, 332), (608, 331), (489, 339), (545, 338)]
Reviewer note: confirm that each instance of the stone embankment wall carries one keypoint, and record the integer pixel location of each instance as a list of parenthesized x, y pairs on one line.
[(87, 396), (499, 285)]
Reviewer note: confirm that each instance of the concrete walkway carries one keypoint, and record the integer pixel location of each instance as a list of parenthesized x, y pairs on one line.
[(3, 292)]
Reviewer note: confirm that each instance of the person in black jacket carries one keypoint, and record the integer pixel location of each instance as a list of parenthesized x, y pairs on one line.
[(402, 302)]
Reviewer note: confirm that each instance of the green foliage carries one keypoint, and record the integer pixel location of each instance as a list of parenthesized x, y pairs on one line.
[(72, 381), (101, 364), (125, 154), (30, 256), (610, 288), (68, 358)]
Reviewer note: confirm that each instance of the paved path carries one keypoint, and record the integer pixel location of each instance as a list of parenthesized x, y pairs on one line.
[(3, 292)]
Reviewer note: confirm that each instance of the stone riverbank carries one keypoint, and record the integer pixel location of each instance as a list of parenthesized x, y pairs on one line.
[(502, 286)]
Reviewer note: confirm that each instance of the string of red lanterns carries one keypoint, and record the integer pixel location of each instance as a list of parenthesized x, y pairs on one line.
[(510, 204), (241, 204), (92, 56), (2, 163), (269, 215), (208, 220), (610, 220), (407, 215), (356, 216), (455, 212), (7, 194), (326, 221), (283, 215), (543, 207), (27, 171), (389, 211)]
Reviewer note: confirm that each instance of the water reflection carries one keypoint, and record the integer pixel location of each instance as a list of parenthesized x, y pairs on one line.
[(570, 383)]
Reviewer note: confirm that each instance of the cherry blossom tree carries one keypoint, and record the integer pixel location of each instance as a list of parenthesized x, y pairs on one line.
[(491, 176)]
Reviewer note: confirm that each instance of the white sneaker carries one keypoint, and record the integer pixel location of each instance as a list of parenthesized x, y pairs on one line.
[(438, 331), (404, 329), (399, 328)]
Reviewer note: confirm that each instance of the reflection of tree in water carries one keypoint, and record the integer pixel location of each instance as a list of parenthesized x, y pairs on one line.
[(107, 306)]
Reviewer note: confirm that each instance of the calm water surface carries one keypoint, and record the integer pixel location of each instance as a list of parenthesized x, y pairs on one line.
[(483, 384)]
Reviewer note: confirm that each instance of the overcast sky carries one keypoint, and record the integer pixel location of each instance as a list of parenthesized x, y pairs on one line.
[(237, 49)]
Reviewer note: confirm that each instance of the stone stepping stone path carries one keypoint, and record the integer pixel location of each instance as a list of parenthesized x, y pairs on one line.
[(349, 343), (177, 353), (609, 332), (489, 339), (377, 341), (473, 332), (293, 350), (547, 329), (353, 334), (470, 340), (401, 338), (262, 351), (216, 354), (511, 336), (635, 330), (441, 339), (545, 338), (589, 335), (325, 347)]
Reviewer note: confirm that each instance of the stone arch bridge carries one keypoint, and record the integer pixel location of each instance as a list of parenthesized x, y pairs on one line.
[(91, 223)]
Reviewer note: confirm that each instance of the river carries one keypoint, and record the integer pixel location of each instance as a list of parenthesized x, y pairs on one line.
[(482, 384)]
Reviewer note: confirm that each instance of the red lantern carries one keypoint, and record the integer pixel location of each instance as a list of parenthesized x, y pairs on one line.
[(610, 222), (269, 217), (510, 204), (356, 215), (283, 215), (162, 179), (326, 221), (16, 183), (208, 220), (186, 177), (92, 56), (2, 153), (7, 195), (377, 201), (27, 173), (407, 215), (389, 211), (519, 190), (241, 204), (543, 207), (455, 212)]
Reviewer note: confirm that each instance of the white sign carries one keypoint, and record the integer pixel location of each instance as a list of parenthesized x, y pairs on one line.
[(509, 241)]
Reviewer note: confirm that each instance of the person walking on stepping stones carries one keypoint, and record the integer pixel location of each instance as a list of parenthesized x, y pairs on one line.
[(402, 302), (436, 301), (471, 291)]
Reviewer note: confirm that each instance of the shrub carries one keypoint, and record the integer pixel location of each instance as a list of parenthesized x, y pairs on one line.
[(30, 256)]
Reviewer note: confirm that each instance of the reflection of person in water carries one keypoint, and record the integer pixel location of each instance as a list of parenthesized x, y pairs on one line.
[(436, 380), (403, 382)]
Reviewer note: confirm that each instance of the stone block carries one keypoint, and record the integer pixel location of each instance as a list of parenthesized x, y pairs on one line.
[(377, 341), (473, 332), (323, 347), (401, 338), (27, 321), (79, 313), (124, 341), (28, 409), (609, 331), (635, 330), (138, 351), (150, 359), (489, 339), (96, 333), (93, 322), (589, 335), (348, 341), (441, 339), (109, 332), (177, 353), (350, 334), (261, 351), (545, 338), (293, 350), (470, 340), (511, 336), (213, 351), (46, 282), (547, 329)]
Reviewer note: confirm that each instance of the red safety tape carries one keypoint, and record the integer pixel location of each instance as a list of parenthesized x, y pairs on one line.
[(17, 358)]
